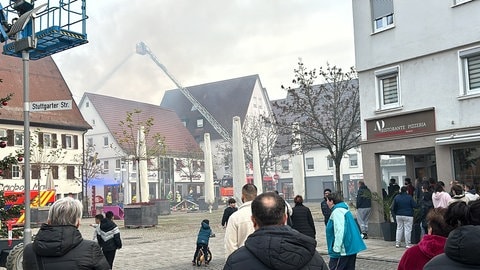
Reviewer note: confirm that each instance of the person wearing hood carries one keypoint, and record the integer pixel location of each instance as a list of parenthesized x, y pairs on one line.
[(461, 250), (440, 197), (202, 240), (431, 244), (344, 240), (60, 245), (108, 237), (274, 245), (458, 195)]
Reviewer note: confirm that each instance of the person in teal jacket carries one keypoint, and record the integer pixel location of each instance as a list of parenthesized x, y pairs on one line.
[(344, 239)]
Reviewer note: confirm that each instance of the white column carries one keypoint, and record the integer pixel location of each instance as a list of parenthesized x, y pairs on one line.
[(209, 192), (238, 160), (257, 172)]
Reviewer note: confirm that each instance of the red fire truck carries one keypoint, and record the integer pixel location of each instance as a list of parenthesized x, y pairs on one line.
[(37, 199)]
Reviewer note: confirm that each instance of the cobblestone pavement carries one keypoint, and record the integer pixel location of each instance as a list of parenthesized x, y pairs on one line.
[(171, 244)]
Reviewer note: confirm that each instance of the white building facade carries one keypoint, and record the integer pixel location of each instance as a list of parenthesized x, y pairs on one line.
[(419, 77)]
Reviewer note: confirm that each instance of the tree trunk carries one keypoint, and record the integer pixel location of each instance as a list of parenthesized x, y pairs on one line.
[(338, 182)]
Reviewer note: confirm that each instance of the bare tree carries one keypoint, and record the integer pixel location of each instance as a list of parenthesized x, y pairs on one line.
[(190, 164), (259, 130), (328, 113)]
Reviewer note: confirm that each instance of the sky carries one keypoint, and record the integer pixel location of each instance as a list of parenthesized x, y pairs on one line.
[(204, 41)]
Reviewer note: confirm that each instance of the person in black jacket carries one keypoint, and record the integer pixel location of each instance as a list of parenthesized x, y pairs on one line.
[(364, 207), (228, 211), (108, 237), (274, 245), (302, 218), (60, 245), (326, 211)]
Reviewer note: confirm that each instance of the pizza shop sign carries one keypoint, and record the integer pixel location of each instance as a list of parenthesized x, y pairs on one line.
[(401, 125)]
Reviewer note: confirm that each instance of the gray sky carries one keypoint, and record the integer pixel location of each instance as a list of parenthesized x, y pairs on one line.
[(204, 41)]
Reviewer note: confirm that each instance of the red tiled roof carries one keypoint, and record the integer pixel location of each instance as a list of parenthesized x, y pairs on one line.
[(46, 83), (165, 122)]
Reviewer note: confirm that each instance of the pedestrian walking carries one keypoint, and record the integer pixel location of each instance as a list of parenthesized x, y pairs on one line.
[(108, 237), (402, 207), (326, 211), (344, 241), (302, 219), (60, 245), (229, 210), (364, 207), (240, 224), (274, 245), (393, 188)]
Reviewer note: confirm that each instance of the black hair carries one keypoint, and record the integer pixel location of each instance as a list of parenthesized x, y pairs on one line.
[(327, 189), (457, 214), (99, 216), (298, 200), (109, 215), (403, 189), (206, 221), (231, 200), (474, 212), (266, 213)]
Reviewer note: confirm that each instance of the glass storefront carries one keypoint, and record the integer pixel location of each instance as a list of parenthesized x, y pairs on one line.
[(467, 165)]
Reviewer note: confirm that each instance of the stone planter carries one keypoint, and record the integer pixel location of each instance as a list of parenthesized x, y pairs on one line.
[(163, 207), (140, 215), (389, 230)]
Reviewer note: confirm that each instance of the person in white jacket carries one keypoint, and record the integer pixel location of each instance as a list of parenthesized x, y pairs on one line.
[(240, 224)]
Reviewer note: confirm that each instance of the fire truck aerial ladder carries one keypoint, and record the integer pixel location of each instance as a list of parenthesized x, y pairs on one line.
[(143, 49)]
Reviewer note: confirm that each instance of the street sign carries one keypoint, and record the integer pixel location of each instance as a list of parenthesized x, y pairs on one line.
[(53, 105)]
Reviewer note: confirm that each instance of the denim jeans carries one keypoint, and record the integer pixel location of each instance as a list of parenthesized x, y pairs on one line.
[(404, 226)]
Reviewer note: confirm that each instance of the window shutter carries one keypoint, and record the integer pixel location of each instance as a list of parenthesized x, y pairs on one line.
[(390, 93), (35, 171), (64, 141), (54, 171), (70, 172), (75, 142), (40, 139), (7, 174), (381, 8), (474, 72), (54, 140), (10, 137)]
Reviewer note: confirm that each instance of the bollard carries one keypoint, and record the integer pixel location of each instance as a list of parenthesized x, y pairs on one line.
[(10, 234)]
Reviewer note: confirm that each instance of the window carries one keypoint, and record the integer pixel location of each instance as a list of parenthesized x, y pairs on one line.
[(70, 172), (3, 133), (54, 172), (68, 142), (382, 14), (19, 138), (134, 166), (105, 141), (87, 104), (118, 164), (184, 122), (105, 166), (285, 165), (93, 122), (470, 70), (353, 160), (388, 88), (90, 142), (15, 172), (330, 162), (199, 123), (47, 140), (310, 164)]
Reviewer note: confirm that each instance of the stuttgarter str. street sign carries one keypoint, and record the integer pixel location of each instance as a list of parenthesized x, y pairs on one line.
[(53, 105)]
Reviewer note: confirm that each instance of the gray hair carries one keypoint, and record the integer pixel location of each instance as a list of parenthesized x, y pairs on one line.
[(66, 211)]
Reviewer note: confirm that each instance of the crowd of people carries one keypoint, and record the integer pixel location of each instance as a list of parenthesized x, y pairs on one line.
[(265, 233)]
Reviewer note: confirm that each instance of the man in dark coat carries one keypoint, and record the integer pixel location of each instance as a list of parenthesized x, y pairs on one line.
[(108, 237), (274, 245), (59, 244), (364, 207), (326, 211)]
